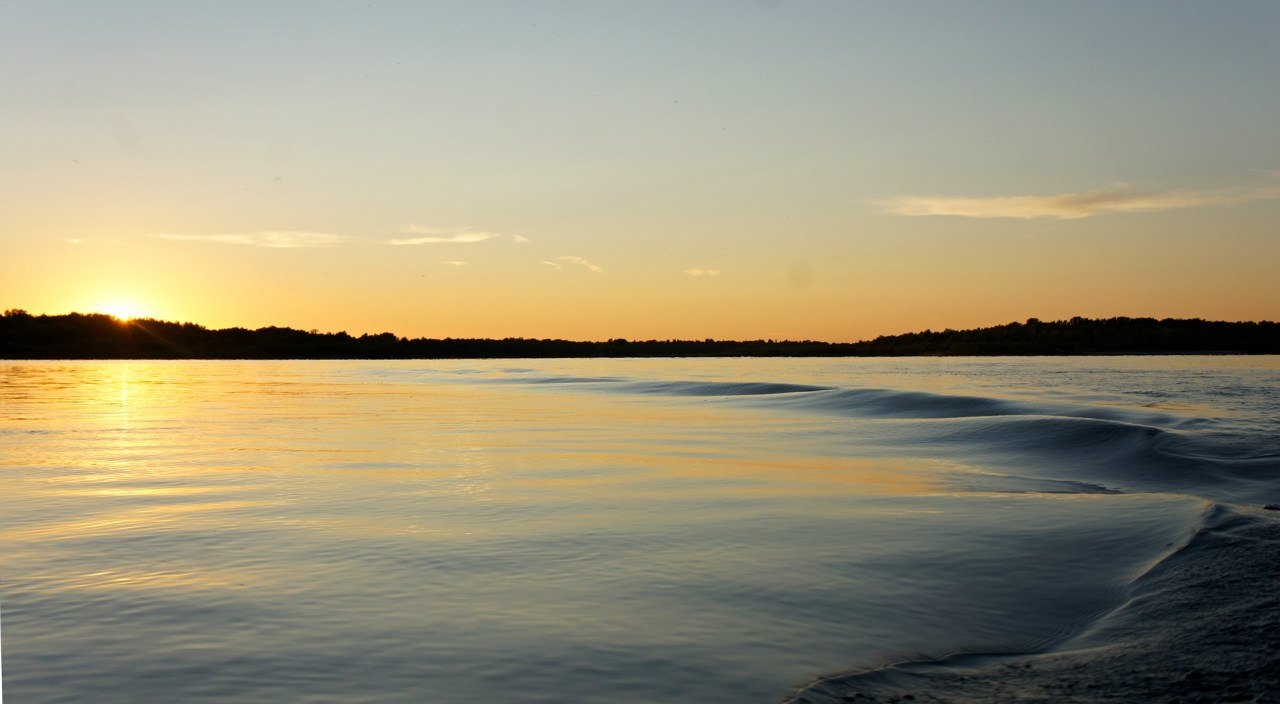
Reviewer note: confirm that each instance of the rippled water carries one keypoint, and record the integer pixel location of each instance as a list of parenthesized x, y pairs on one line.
[(588, 530)]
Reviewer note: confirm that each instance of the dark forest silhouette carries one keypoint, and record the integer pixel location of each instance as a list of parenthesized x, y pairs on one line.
[(98, 336)]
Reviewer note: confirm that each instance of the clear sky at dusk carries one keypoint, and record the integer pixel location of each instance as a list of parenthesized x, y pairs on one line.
[(586, 170)]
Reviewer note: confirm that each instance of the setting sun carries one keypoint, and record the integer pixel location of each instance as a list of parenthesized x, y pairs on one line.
[(121, 309)]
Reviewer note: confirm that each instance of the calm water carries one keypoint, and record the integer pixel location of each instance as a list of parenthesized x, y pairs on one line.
[(588, 531)]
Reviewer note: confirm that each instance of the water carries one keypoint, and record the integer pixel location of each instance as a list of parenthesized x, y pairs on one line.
[(589, 530)]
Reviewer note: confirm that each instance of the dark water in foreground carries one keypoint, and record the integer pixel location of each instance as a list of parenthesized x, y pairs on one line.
[(589, 531)]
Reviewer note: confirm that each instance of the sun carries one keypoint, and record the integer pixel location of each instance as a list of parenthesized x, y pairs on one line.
[(121, 309)]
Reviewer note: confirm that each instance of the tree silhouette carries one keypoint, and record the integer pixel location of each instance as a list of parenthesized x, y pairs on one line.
[(97, 336)]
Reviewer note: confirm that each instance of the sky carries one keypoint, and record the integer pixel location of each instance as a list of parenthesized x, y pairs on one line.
[(647, 170)]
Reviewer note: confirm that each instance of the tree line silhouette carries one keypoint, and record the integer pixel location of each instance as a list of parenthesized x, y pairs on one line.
[(98, 336)]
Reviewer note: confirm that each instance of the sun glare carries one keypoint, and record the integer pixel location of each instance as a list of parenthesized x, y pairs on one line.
[(121, 309)]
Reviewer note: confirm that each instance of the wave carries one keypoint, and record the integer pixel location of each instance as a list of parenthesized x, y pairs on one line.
[(892, 403), (569, 380), (1201, 624), (1100, 448), (615, 384), (719, 388), (1117, 455), (869, 402)]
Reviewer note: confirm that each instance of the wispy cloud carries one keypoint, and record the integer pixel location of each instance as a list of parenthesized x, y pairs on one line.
[(702, 272), (1118, 199), (74, 240), (454, 262), (427, 235), (270, 238), (455, 235), (559, 263)]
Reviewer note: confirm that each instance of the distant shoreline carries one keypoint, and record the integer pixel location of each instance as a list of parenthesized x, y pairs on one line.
[(98, 336)]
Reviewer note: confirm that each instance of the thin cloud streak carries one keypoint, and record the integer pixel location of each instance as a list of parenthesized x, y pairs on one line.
[(430, 236), (1071, 206), (559, 263), (271, 238), (702, 272)]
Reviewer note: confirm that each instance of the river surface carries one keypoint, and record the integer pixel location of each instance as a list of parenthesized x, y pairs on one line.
[(647, 531)]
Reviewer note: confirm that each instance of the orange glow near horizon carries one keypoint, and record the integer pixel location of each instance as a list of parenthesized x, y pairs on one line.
[(121, 309)]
